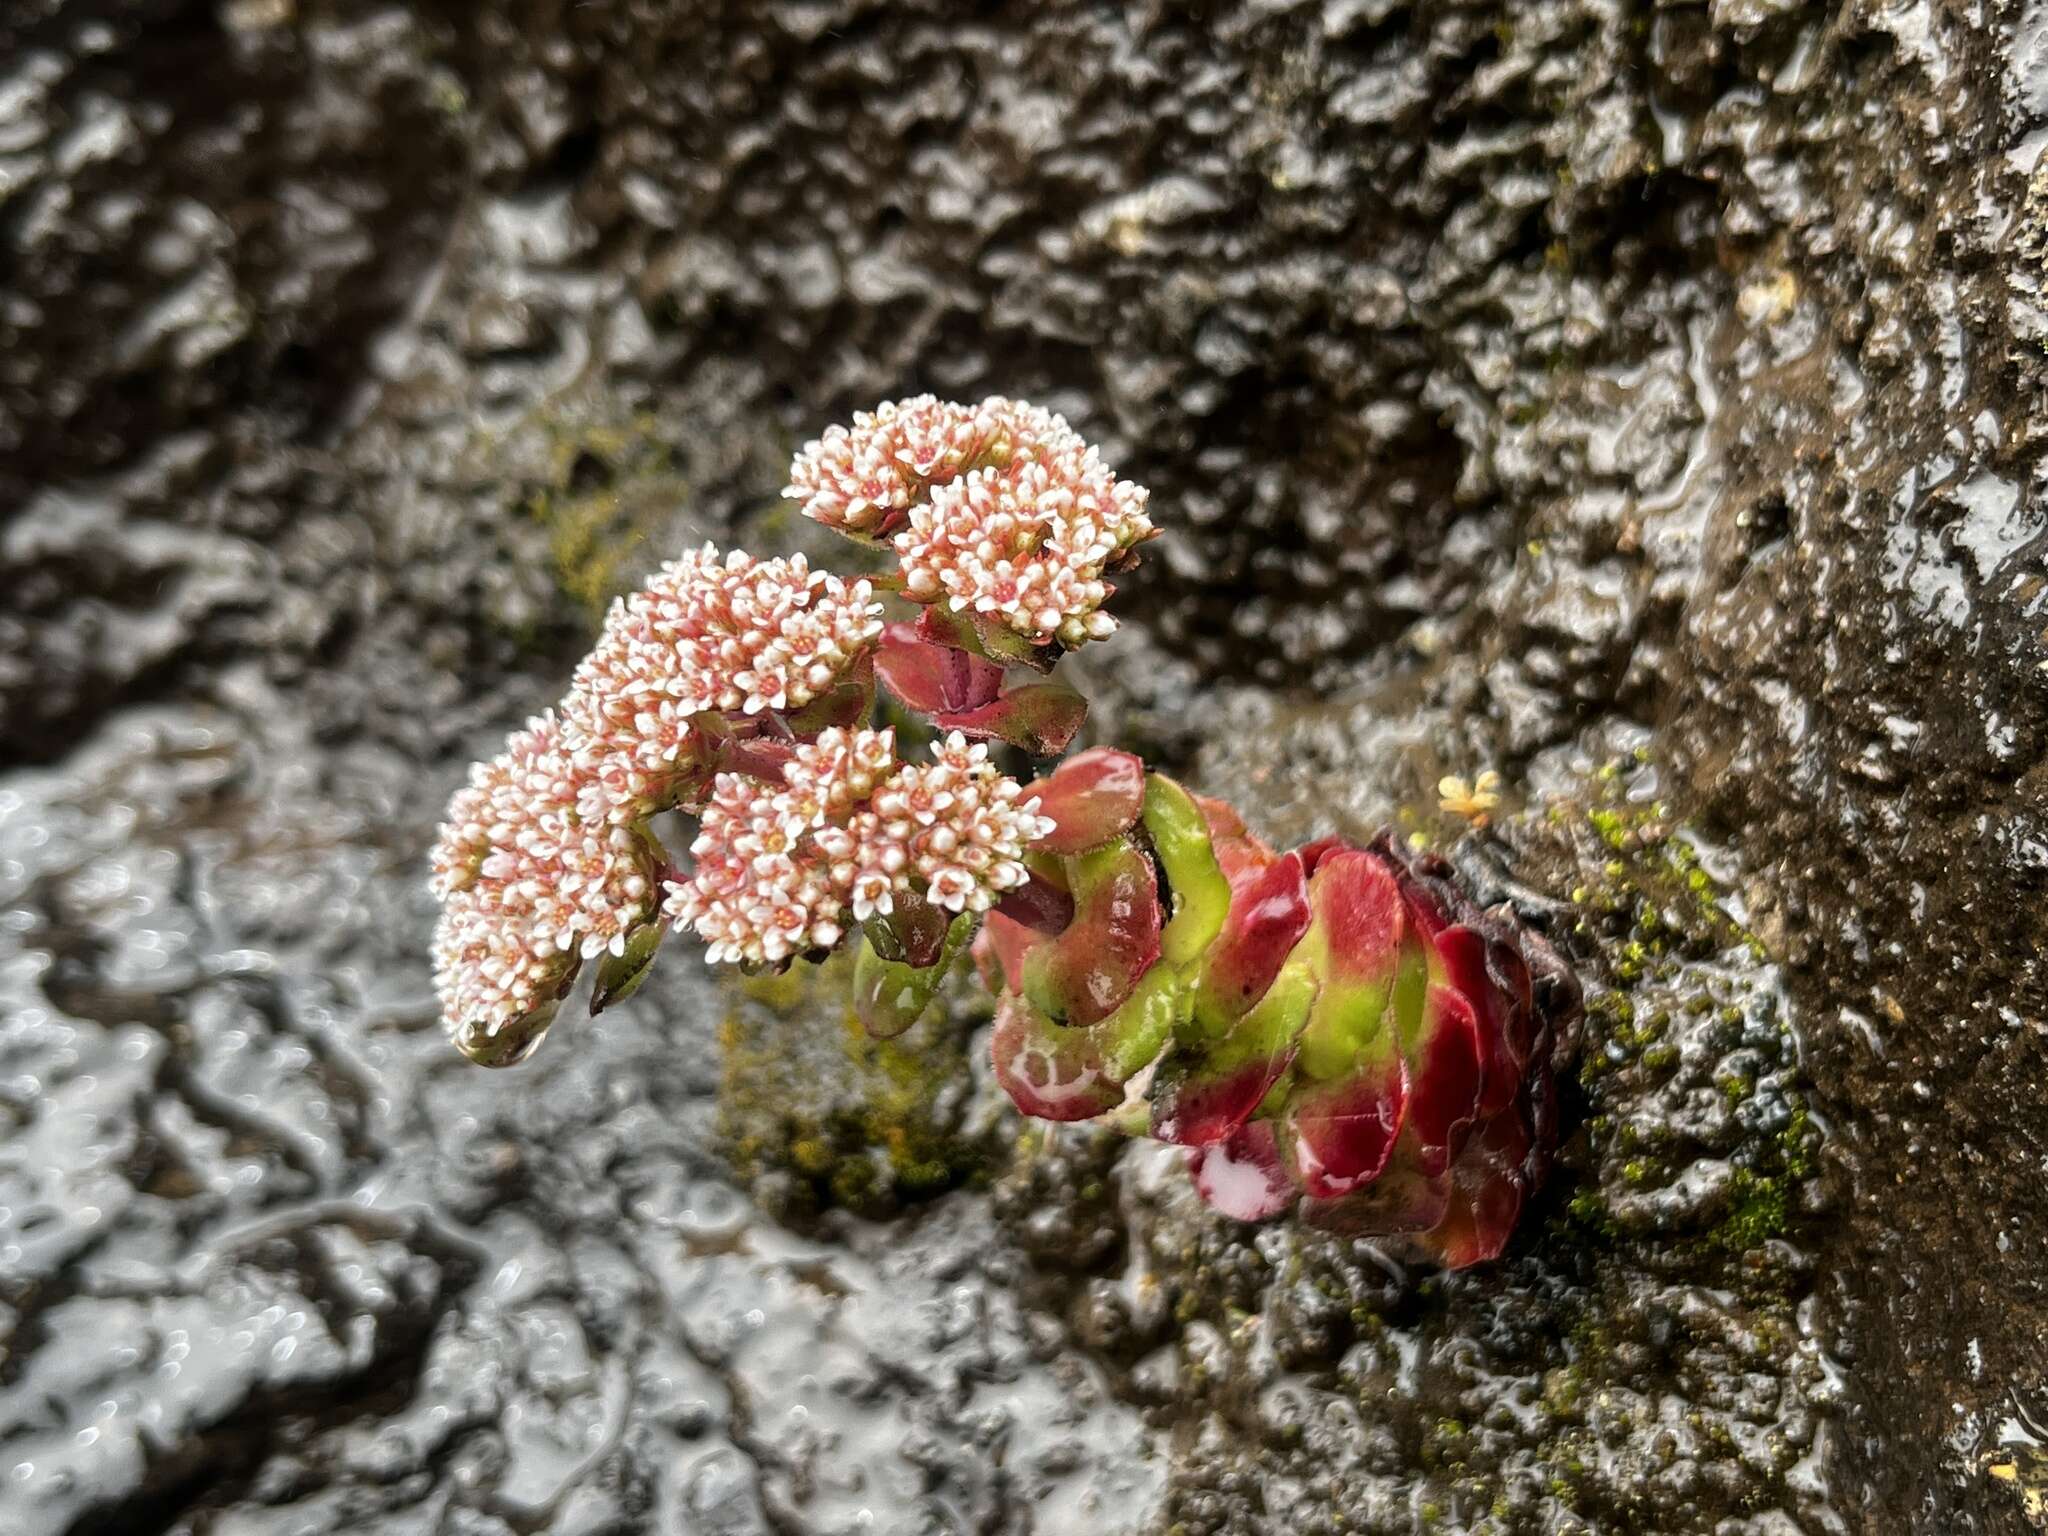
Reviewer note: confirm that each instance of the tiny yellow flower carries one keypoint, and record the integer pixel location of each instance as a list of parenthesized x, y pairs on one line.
[(1475, 801)]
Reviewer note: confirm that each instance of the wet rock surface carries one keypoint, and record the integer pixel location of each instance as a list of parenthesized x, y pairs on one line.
[(1643, 403)]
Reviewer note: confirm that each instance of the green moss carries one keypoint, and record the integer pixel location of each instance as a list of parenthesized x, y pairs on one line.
[(607, 488), (1757, 1213), (862, 1124)]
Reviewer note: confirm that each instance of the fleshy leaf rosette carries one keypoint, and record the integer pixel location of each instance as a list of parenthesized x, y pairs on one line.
[(1337, 1030)]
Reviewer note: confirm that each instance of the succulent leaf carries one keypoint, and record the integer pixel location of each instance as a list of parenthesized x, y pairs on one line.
[(1445, 1076), (1137, 1032), (1244, 1177), (913, 932), (512, 1041), (619, 976), (1269, 912), (1090, 798), (1084, 974), (1049, 1071), (1209, 1085), (890, 995), (1487, 1187), (1200, 893)]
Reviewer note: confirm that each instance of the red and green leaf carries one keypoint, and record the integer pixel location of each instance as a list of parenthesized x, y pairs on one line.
[(1084, 974), (1350, 1099), (1049, 1071), (999, 951), (913, 933), (1269, 913), (1090, 798), (1209, 1084)]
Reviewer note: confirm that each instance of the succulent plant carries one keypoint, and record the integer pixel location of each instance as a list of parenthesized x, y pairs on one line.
[(1337, 1030)]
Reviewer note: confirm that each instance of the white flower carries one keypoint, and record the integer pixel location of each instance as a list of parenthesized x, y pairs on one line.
[(528, 886), (1027, 537)]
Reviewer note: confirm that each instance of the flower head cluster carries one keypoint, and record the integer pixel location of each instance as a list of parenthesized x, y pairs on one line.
[(863, 479), (778, 868), (731, 635), (527, 886), (959, 826), (998, 508), (1027, 539)]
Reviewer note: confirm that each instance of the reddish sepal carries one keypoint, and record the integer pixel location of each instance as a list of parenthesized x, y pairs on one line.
[(1038, 718), (931, 677)]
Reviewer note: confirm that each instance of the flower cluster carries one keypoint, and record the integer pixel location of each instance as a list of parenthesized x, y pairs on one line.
[(544, 860), (527, 886), (862, 479), (778, 868), (998, 509), (707, 635)]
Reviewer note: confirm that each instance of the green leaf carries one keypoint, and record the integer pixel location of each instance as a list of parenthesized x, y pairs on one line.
[(889, 996), (1201, 894), (620, 976)]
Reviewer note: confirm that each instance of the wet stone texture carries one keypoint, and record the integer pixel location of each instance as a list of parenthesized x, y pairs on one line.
[(1640, 401)]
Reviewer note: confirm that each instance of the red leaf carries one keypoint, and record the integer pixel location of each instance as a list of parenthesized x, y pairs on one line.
[(1090, 798), (1005, 942), (1313, 854), (1040, 718), (1048, 1071), (1463, 954), (1268, 916), (1085, 974), (1487, 1187), (1244, 1177), (930, 677), (1239, 853), (1444, 1079), (1344, 1132)]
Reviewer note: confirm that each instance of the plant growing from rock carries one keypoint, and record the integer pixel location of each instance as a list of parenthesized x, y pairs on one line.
[(1337, 1029)]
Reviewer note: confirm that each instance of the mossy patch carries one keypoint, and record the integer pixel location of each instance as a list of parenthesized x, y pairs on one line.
[(1688, 1062), (815, 1114), (610, 487)]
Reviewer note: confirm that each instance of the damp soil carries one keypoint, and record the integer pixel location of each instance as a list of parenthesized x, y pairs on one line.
[(1642, 402)]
